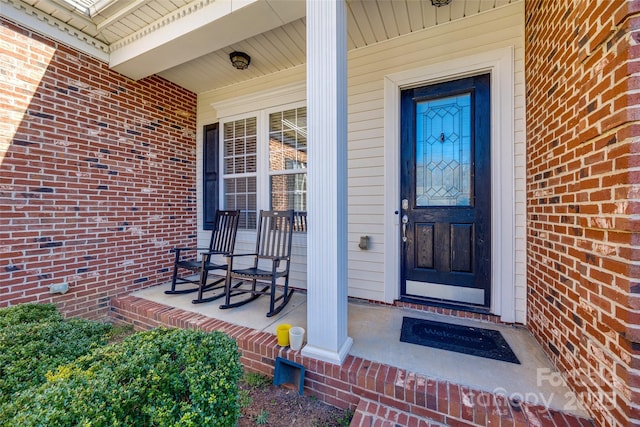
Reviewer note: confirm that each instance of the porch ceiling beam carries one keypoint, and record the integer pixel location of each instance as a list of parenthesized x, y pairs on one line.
[(196, 30)]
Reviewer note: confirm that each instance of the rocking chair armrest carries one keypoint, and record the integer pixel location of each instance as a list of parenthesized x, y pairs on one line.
[(278, 259), (188, 249), (226, 254), (238, 255)]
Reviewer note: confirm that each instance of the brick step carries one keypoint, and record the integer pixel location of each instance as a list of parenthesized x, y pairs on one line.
[(373, 414), (370, 413)]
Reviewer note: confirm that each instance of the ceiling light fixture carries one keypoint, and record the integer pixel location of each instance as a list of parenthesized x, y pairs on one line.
[(240, 60), (439, 3)]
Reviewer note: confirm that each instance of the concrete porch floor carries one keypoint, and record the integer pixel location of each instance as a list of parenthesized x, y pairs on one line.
[(534, 381)]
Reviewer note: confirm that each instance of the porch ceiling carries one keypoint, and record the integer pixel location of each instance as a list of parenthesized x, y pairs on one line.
[(188, 41)]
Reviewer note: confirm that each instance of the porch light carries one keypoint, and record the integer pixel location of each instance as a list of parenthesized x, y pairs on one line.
[(439, 3), (240, 60)]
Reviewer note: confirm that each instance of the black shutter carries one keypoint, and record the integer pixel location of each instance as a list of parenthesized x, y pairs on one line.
[(210, 175)]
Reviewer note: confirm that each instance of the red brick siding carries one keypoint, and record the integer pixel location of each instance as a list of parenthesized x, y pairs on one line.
[(97, 176), (582, 62)]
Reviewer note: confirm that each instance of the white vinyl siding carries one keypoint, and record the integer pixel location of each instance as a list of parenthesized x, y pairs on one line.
[(367, 68)]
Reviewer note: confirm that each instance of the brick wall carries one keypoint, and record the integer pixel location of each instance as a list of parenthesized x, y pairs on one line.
[(97, 176), (582, 68)]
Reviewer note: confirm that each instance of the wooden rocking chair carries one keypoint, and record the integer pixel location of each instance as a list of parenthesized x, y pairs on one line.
[(273, 250), (222, 242)]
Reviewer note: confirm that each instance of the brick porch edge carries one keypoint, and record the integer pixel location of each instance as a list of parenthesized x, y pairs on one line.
[(382, 394)]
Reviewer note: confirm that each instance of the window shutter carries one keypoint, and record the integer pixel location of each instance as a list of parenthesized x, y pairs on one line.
[(210, 175)]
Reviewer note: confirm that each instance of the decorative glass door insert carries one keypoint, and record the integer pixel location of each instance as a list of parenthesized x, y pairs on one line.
[(443, 151)]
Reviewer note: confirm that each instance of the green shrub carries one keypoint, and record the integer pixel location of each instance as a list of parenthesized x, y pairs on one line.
[(28, 313), (29, 350), (164, 377)]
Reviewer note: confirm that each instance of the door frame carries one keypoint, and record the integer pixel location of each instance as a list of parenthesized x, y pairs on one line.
[(499, 63), (441, 283)]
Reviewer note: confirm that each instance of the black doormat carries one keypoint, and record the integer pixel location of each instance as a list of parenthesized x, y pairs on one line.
[(462, 339)]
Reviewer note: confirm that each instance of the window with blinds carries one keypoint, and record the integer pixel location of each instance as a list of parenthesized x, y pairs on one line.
[(240, 169), (283, 165)]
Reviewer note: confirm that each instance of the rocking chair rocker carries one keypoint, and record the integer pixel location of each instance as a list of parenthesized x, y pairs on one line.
[(273, 248), (222, 243)]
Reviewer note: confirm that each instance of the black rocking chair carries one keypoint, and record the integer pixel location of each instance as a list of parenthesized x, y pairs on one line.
[(273, 248), (222, 242)]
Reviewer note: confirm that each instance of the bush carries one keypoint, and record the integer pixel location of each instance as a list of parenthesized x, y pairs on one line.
[(29, 313), (164, 377), (28, 350)]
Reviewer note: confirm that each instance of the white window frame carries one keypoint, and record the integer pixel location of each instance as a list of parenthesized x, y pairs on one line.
[(265, 128), (252, 104), (263, 174), (223, 175)]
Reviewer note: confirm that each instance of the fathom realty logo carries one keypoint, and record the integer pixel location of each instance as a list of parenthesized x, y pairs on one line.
[(594, 390)]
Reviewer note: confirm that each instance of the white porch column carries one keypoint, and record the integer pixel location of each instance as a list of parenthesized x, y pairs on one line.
[(327, 181)]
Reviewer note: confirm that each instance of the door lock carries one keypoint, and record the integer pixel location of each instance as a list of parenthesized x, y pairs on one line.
[(405, 204), (405, 220)]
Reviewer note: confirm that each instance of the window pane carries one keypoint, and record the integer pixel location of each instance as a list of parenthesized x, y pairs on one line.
[(302, 145), (250, 126), (251, 163), (288, 140), (228, 165), (240, 146), (275, 122), (289, 192), (250, 144), (239, 127), (228, 131), (240, 193)]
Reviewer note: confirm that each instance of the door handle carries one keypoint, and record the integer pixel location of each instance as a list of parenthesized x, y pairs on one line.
[(405, 220)]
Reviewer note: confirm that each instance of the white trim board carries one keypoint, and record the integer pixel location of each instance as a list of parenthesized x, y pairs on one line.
[(500, 64), (267, 99)]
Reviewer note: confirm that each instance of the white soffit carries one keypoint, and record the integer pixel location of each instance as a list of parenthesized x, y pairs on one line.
[(196, 30), (50, 26)]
